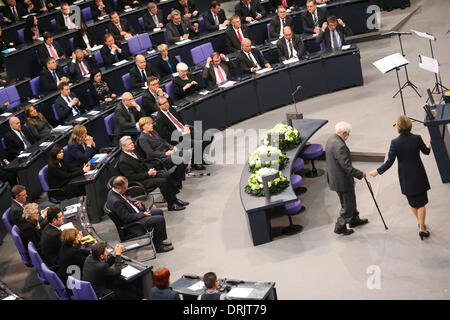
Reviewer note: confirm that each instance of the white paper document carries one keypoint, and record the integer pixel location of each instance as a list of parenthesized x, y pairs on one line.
[(67, 226), (204, 92), (424, 35), (93, 112), (183, 41), (274, 42), (290, 61), (41, 38), (197, 286), (101, 18), (240, 292), (129, 271), (23, 155), (156, 29), (263, 70), (428, 64), (79, 1), (390, 62), (98, 157), (80, 119), (227, 84), (45, 144), (151, 52), (129, 9), (33, 100), (175, 74), (6, 114), (346, 47), (91, 172), (62, 128), (71, 209), (120, 63)]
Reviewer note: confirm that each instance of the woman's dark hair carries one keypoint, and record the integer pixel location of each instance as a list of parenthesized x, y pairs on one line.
[(30, 21), (83, 28), (53, 157), (29, 118), (93, 73)]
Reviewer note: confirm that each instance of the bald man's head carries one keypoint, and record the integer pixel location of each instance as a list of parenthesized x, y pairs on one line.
[(140, 61), (127, 99), (14, 123)]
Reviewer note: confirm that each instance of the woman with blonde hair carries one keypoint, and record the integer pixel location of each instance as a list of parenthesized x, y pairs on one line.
[(166, 64), (411, 172), (30, 230), (36, 122), (81, 147)]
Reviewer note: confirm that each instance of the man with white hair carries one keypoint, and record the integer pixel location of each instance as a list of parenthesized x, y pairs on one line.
[(126, 115), (340, 174), (16, 139), (251, 60)]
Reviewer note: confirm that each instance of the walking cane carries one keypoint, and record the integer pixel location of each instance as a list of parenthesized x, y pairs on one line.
[(373, 196)]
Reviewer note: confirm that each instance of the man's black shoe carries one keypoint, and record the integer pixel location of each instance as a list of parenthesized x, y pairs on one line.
[(357, 222), (343, 231), (163, 248), (181, 202), (198, 167), (176, 207)]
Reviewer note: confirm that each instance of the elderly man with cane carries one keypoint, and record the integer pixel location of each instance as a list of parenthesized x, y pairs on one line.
[(340, 175)]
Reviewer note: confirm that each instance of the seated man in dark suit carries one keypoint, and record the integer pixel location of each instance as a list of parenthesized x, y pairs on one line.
[(103, 271), (140, 71), (153, 18), (187, 8), (51, 76), (149, 96), (67, 105), (279, 22), (19, 199), (287, 4), (13, 11), (155, 149), (80, 66), (62, 19), (134, 168), (49, 49), (180, 28), (100, 9), (290, 46), (333, 33), (16, 139), (249, 10), (112, 52), (235, 34), (313, 17), (128, 211), (215, 18), (50, 241), (251, 60), (217, 69), (119, 27), (126, 116)]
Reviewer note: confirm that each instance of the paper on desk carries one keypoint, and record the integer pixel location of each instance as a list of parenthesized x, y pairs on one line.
[(23, 155), (67, 226), (197, 286), (101, 18), (227, 84), (204, 92), (274, 42), (321, 5), (70, 209), (9, 50), (80, 119), (424, 35), (98, 157), (151, 52), (79, 1), (390, 62), (253, 21), (346, 47), (45, 144), (95, 48), (93, 112), (41, 38), (290, 61), (129, 271), (429, 64), (62, 128), (175, 74), (156, 29), (263, 70), (183, 41), (33, 100), (240, 292), (90, 172), (120, 63), (11, 297), (6, 114)]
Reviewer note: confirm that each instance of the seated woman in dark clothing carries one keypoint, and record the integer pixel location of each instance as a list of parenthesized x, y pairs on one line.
[(36, 122), (166, 64), (184, 85), (81, 147), (162, 289), (59, 175), (4, 42), (100, 88), (72, 253), (84, 39), (30, 230), (32, 30)]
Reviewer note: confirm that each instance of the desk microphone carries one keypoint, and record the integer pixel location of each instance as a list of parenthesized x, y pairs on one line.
[(293, 94)]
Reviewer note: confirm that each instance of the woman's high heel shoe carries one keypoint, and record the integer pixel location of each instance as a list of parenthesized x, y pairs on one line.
[(425, 234)]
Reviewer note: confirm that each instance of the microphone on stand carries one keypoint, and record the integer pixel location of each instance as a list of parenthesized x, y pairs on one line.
[(293, 94), (296, 115)]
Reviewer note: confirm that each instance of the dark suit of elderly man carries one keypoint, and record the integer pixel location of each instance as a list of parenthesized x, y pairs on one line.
[(340, 175)]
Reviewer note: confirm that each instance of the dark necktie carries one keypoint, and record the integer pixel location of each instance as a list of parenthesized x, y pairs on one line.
[(291, 48), (26, 143), (16, 16), (144, 77), (284, 23), (133, 119), (55, 77)]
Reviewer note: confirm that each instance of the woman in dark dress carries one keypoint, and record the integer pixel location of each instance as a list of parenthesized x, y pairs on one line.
[(59, 175), (81, 147), (184, 85), (36, 122), (30, 230), (100, 88), (411, 172), (100, 8), (166, 64), (84, 39), (4, 42), (32, 30), (72, 253)]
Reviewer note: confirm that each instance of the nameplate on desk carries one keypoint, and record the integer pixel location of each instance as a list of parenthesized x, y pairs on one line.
[(95, 48), (204, 92), (227, 84), (93, 112), (9, 50), (129, 272), (263, 70), (33, 100), (290, 61), (91, 172), (80, 119), (183, 41), (23, 155), (6, 114), (120, 63), (67, 226), (346, 47), (240, 292), (45, 144), (200, 285), (156, 29), (62, 128)]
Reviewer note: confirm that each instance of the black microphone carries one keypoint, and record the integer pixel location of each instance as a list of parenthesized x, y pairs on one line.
[(295, 103)]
